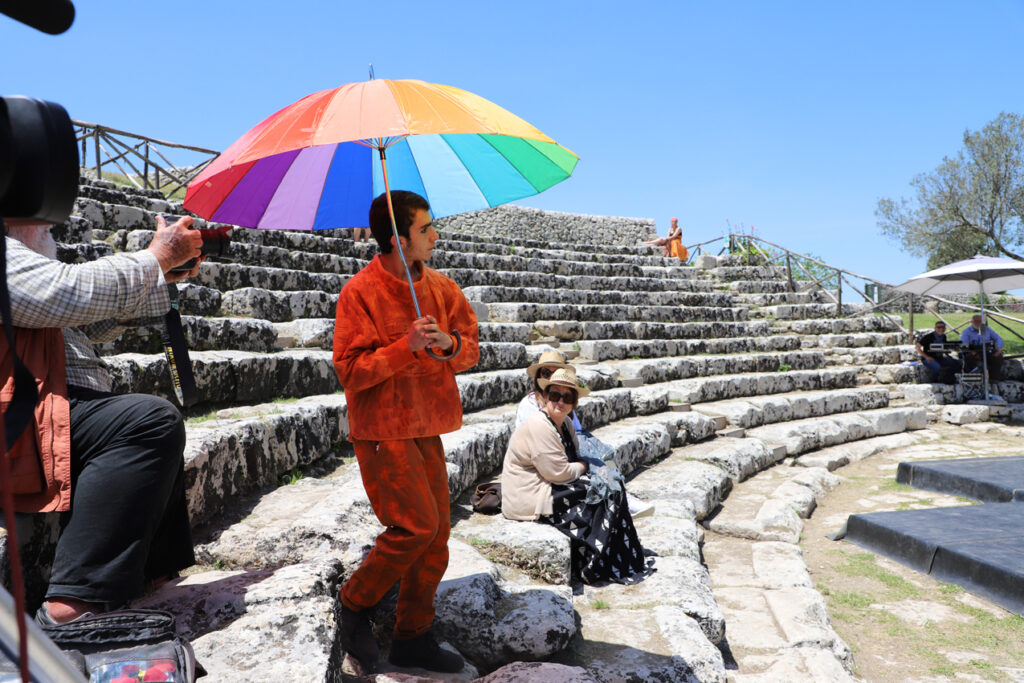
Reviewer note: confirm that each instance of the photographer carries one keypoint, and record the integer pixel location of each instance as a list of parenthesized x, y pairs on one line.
[(112, 464)]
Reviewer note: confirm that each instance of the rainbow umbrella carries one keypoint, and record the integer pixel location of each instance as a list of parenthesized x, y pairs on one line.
[(318, 163)]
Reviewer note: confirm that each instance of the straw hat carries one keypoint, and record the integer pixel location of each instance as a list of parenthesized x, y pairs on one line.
[(564, 377), (548, 358)]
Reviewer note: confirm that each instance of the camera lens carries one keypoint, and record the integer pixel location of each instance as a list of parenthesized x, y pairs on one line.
[(39, 160)]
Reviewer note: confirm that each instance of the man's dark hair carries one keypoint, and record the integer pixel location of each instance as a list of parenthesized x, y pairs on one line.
[(405, 204)]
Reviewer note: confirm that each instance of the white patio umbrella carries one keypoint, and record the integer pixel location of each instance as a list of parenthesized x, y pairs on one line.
[(977, 275)]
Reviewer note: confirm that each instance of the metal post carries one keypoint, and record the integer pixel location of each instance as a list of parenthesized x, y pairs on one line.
[(789, 273), (913, 339)]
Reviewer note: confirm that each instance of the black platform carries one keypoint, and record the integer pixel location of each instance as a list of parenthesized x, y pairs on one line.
[(979, 547), (989, 480)]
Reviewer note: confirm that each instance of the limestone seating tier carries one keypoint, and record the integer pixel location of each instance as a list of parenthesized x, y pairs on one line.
[(745, 272), (546, 295), (528, 312), (618, 349), (319, 332), (816, 296), (652, 398), (653, 371), (201, 334), (773, 286), (574, 330), (466, 277), (852, 341), (805, 435), (805, 311), (760, 410), (872, 355), (863, 323)]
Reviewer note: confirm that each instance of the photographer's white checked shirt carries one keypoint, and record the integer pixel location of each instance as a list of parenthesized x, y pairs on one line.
[(92, 301)]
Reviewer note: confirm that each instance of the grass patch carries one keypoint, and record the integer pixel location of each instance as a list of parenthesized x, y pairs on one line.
[(893, 485), (600, 604), (864, 564), (852, 599), (291, 477)]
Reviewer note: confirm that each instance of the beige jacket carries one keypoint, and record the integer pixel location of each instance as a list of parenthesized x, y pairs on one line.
[(535, 460)]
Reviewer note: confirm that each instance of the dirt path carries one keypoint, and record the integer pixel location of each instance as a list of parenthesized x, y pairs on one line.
[(902, 625)]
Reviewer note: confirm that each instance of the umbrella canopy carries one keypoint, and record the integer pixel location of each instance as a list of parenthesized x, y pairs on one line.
[(976, 275), (314, 165)]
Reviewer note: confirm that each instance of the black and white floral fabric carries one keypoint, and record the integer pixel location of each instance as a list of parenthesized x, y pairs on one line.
[(605, 546)]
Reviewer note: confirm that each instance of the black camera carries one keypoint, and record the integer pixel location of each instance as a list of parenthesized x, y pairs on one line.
[(38, 160), (216, 243)]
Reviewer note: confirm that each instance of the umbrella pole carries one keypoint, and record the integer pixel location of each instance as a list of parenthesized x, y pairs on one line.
[(984, 348), (394, 231), (408, 274)]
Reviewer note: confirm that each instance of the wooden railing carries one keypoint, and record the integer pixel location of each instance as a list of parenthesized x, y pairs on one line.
[(141, 160), (796, 261)]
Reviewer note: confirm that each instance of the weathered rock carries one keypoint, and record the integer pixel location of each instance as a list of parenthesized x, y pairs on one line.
[(678, 582)]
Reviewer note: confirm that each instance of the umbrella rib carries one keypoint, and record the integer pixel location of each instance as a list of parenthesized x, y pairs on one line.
[(468, 173)]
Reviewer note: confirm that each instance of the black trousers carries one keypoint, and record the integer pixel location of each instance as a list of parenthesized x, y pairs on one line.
[(128, 521)]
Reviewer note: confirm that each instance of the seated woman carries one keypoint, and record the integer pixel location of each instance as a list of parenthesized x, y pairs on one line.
[(672, 245), (548, 362), (590, 449), (543, 479)]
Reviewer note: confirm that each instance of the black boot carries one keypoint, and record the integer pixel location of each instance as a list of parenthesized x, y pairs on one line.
[(423, 652), (357, 639)]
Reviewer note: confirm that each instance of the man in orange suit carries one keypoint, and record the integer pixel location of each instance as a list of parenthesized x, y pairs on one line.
[(400, 400)]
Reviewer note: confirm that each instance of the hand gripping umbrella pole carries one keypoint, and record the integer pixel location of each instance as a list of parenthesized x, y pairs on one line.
[(381, 146)]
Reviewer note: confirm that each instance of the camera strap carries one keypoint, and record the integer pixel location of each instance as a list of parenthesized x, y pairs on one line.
[(176, 350), (17, 416)]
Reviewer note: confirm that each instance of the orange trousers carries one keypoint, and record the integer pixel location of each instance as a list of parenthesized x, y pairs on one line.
[(407, 484)]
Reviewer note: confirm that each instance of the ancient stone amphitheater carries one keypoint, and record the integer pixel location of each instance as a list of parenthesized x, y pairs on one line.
[(702, 377)]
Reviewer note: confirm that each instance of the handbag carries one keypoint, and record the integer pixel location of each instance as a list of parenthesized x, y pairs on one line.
[(486, 499), (128, 645)]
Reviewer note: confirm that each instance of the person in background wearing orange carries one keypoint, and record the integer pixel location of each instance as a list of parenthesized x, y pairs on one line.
[(672, 245), (400, 400)]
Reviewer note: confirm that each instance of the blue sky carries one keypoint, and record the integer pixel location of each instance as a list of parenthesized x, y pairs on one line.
[(791, 117)]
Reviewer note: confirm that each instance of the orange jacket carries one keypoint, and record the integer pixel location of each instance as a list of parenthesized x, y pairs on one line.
[(41, 457), (391, 391)]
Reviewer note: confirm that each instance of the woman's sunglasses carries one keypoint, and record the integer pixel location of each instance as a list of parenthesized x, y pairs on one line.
[(545, 373), (568, 398)]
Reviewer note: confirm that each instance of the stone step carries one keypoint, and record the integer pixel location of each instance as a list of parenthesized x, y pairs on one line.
[(761, 410), (770, 286), (863, 323), (800, 436), (319, 332), (779, 626), (277, 306), (575, 330), (546, 295), (467, 277), (657, 397), (880, 355), (853, 341), (526, 312), (201, 334), (816, 296), (619, 349), (231, 276), (805, 311), (230, 377), (741, 272), (660, 370)]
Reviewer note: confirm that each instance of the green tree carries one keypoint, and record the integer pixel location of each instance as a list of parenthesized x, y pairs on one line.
[(972, 203)]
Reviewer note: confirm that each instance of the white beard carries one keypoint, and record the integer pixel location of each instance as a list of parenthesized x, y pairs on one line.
[(37, 237)]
